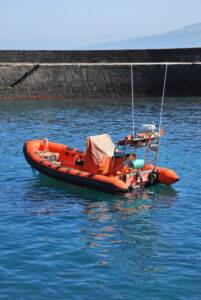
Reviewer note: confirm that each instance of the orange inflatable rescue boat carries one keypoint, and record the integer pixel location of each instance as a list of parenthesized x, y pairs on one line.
[(102, 166)]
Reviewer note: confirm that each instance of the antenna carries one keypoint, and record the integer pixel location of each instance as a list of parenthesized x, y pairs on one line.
[(161, 113), (133, 104)]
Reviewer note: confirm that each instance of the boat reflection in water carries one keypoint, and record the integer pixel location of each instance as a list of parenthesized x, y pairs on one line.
[(126, 229), (134, 202), (122, 227), (97, 203)]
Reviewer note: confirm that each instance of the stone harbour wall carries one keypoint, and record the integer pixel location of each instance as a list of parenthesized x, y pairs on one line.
[(98, 74)]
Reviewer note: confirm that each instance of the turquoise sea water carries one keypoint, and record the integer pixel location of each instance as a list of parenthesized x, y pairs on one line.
[(59, 241)]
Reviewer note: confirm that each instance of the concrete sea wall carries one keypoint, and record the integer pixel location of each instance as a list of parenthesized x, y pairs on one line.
[(98, 74)]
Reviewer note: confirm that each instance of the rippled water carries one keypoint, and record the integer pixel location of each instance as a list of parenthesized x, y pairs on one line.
[(59, 241)]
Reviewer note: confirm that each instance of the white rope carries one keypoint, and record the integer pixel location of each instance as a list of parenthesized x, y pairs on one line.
[(133, 104)]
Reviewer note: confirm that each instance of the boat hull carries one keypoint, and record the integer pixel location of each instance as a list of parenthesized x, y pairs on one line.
[(71, 175), (65, 169)]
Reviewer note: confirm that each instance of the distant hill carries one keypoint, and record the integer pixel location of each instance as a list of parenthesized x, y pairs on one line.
[(189, 36)]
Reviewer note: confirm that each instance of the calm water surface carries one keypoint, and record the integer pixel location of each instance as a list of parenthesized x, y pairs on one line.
[(59, 241)]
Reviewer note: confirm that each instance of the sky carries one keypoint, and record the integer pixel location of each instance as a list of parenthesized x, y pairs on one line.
[(73, 24)]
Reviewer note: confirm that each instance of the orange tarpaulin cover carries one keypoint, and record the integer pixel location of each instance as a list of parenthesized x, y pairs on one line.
[(99, 153)]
